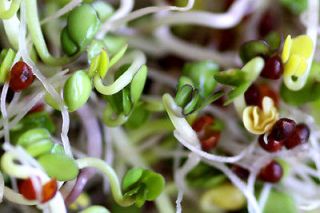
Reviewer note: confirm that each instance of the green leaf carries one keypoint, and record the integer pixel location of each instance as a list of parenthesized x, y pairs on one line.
[(137, 84), (154, 184), (240, 90), (78, 34), (6, 60), (138, 117), (202, 74), (184, 95), (295, 6), (57, 149), (184, 80), (274, 40), (104, 10), (302, 96), (280, 202), (251, 49), (114, 44), (40, 147), (232, 77), (131, 177), (193, 104), (126, 102), (118, 55), (252, 70), (38, 120), (32, 136), (59, 166), (142, 185), (94, 49), (77, 90)]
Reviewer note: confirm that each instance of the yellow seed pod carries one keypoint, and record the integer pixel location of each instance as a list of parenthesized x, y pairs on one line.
[(257, 120), (225, 197)]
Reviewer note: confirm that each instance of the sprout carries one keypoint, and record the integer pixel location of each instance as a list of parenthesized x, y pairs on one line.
[(138, 184), (142, 185), (123, 103), (241, 81), (196, 86), (38, 143)]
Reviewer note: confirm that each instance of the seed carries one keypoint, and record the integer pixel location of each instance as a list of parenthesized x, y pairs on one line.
[(27, 189), (272, 172), (210, 142), (273, 68), (265, 90), (203, 121), (299, 136), (21, 76), (282, 129), (49, 190), (39, 107), (253, 96), (270, 144), (240, 172)]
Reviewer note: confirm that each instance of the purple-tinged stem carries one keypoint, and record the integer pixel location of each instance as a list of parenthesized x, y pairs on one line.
[(94, 147)]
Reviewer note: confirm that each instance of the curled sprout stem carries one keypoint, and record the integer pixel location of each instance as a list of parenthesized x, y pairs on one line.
[(138, 58), (110, 173), (8, 10)]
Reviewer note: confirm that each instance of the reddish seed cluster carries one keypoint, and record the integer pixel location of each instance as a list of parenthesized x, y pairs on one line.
[(27, 189), (255, 94), (21, 76), (271, 173), (286, 133), (208, 137)]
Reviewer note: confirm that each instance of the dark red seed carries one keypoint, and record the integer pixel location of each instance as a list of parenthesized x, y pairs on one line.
[(272, 172), (253, 96), (270, 145), (21, 76), (273, 68), (299, 136), (202, 122), (282, 129), (240, 172), (210, 142)]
